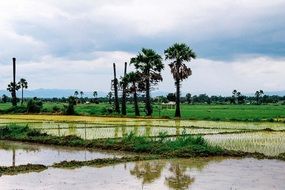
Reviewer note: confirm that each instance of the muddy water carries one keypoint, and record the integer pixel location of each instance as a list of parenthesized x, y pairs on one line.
[(195, 174), (12, 153)]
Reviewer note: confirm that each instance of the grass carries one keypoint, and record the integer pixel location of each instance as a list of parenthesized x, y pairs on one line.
[(184, 146), (195, 112), (13, 170)]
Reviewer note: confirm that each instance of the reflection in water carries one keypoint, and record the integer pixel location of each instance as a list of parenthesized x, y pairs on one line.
[(15, 153), (179, 179), (148, 171), (14, 157), (194, 174), (178, 176)]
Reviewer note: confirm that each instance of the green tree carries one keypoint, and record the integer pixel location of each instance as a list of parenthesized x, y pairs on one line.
[(149, 64), (179, 53), (23, 85), (69, 109), (76, 93), (188, 98), (258, 96), (109, 96), (13, 87), (95, 94), (81, 94), (4, 98), (171, 97), (133, 78)]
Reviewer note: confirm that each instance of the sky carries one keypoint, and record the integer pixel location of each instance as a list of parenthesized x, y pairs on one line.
[(72, 44)]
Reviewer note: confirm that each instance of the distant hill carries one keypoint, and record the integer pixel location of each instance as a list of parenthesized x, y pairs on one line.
[(51, 93), (59, 93)]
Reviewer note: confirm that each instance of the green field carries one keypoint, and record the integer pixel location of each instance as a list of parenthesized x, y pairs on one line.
[(194, 112)]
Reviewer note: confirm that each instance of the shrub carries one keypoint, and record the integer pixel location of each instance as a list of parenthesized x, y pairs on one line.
[(69, 109), (34, 106), (55, 109)]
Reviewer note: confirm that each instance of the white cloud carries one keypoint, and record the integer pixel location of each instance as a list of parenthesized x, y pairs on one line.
[(72, 44), (209, 76)]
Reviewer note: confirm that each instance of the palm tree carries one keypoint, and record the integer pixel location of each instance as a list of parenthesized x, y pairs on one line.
[(13, 87), (23, 84), (81, 94), (133, 78), (95, 94), (149, 64), (109, 96), (179, 53), (258, 95), (76, 93)]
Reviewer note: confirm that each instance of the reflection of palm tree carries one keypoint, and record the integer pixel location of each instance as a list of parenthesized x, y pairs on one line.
[(148, 171), (71, 129), (148, 131), (116, 132), (177, 125), (179, 180), (14, 157)]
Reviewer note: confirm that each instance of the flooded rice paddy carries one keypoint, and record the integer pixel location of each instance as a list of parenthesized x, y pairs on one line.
[(16, 153), (263, 137), (194, 174), (199, 173)]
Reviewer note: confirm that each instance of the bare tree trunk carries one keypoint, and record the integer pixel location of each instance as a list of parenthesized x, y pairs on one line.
[(116, 100), (22, 96), (124, 95), (147, 99), (137, 110), (14, 98)]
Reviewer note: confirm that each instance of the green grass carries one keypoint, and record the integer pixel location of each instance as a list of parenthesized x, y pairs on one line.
[(195, 112), (183, 146)]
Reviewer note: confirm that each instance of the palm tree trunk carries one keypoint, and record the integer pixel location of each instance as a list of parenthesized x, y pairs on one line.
[(117, 106), (124, 95), (14, 97), (147, 99), (22, 95), (137, 111), (177, 110)]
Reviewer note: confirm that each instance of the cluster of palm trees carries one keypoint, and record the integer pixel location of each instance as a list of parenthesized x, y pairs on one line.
[(76, 93), (148, 66), (22, 84)]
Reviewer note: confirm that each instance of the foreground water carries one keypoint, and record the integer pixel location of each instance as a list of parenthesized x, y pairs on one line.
[(14, 154), (195, 174)]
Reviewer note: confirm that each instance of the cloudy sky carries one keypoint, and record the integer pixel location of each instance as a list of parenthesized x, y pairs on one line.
[(71, 44)]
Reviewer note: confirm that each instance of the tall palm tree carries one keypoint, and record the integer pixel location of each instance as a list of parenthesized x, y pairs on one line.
[(133, 78), (23, 85), (149, 64), (179, 53), (76, 93)]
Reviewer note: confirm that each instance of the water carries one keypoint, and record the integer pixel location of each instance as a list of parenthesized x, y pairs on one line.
[(13, 154), (194, 174)]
